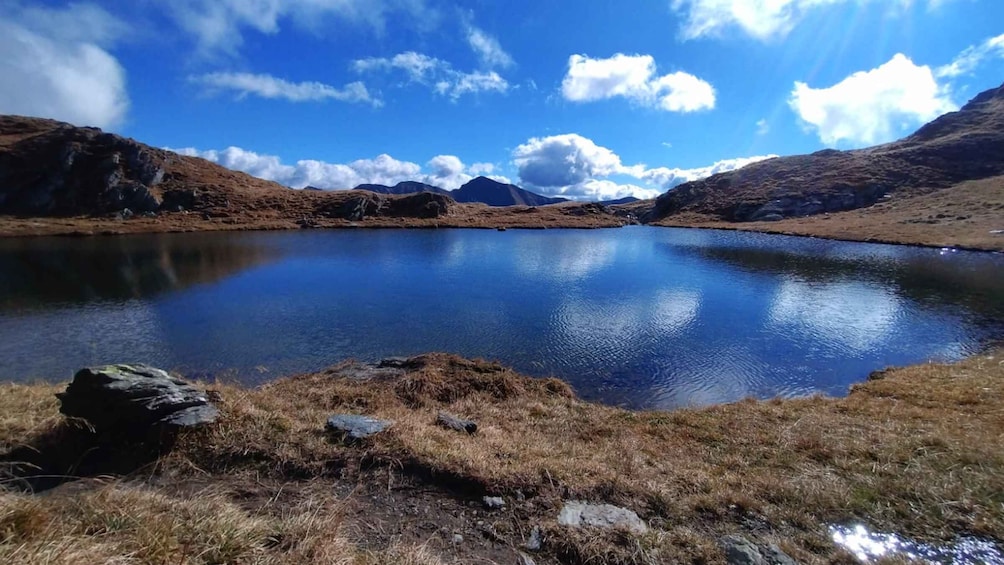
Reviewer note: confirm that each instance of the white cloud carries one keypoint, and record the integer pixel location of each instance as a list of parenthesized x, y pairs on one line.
[(564, 160), (634, 77), (267, 86), (668, 178), (55, 64), (481, 168), (218, 26), (972, 57), (444, 171), (873, 106), (760, 19), (437, 74), (488, 49), (762, 127), (471, 83), (573, 166), (417, 66), (603, 189)]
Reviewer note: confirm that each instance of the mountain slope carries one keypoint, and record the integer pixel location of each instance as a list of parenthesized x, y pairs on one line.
[(494, 193), (53, 169), (956, 147)]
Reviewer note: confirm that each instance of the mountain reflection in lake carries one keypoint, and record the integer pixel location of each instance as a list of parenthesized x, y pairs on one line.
[(642, 317)]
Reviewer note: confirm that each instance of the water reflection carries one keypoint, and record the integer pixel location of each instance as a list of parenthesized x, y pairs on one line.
[(963, 279), (577, 257), (869, 546), (39, 272), (850, 315)]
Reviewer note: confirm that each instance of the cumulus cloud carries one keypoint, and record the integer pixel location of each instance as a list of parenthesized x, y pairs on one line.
[(444, 171), (634, 77), (563, 160), (874, 106), (55, 63), (487, 48), (668, 178), (972, 57), (268, 86), (760, 19), (573, 166), (218, 26), (437, 74)]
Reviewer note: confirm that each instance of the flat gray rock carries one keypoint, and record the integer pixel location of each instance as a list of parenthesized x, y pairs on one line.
[(355, 426), (741, 551), (577, 514), (134, 398)]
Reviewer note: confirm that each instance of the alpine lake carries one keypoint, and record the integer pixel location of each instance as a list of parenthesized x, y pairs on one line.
[(641, 317)]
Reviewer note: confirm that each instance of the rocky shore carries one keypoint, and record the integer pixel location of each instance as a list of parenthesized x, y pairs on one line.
[(440, 459)]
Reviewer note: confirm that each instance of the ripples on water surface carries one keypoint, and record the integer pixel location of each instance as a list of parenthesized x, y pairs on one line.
[(643, 317)]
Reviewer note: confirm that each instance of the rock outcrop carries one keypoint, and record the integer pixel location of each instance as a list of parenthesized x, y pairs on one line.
[(956, 147), (57, 169), (362, 205), (134, 398)]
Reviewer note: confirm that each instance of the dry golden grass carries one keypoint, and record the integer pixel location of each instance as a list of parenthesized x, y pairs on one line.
[(919, 451), (962, 216), (286, 215), (128, 523)]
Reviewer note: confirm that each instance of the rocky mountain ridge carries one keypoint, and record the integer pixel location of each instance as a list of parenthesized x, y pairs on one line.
[(53, 169), (956, 147), (481, 189)]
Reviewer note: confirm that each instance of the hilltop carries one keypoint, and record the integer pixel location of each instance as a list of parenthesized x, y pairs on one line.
[(942, 185), (57, 178)]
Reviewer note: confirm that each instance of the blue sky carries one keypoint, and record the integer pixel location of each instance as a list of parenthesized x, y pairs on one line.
[(586, 99)]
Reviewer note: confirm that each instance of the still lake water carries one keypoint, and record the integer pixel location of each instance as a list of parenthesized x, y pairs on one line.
[(641, 317)]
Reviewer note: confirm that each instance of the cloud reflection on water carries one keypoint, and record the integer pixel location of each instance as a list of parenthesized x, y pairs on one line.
[(844, 315)]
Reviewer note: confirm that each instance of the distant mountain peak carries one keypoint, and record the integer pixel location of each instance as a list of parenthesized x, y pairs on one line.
[(494, 193)]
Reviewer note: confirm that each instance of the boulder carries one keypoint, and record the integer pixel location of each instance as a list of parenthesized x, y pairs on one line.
[(577, 514), (134, 398), (741, 551), (354, 426)]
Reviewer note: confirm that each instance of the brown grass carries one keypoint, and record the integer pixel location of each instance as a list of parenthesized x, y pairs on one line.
[(285, 216), (962, 216), (919, 451)]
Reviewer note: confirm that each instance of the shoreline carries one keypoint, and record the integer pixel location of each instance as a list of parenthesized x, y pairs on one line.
[(16, 228), (738, 227), (888, 455)]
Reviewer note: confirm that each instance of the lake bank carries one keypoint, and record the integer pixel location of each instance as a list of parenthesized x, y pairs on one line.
[(474, 216), (968, 216), (916, 451)]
